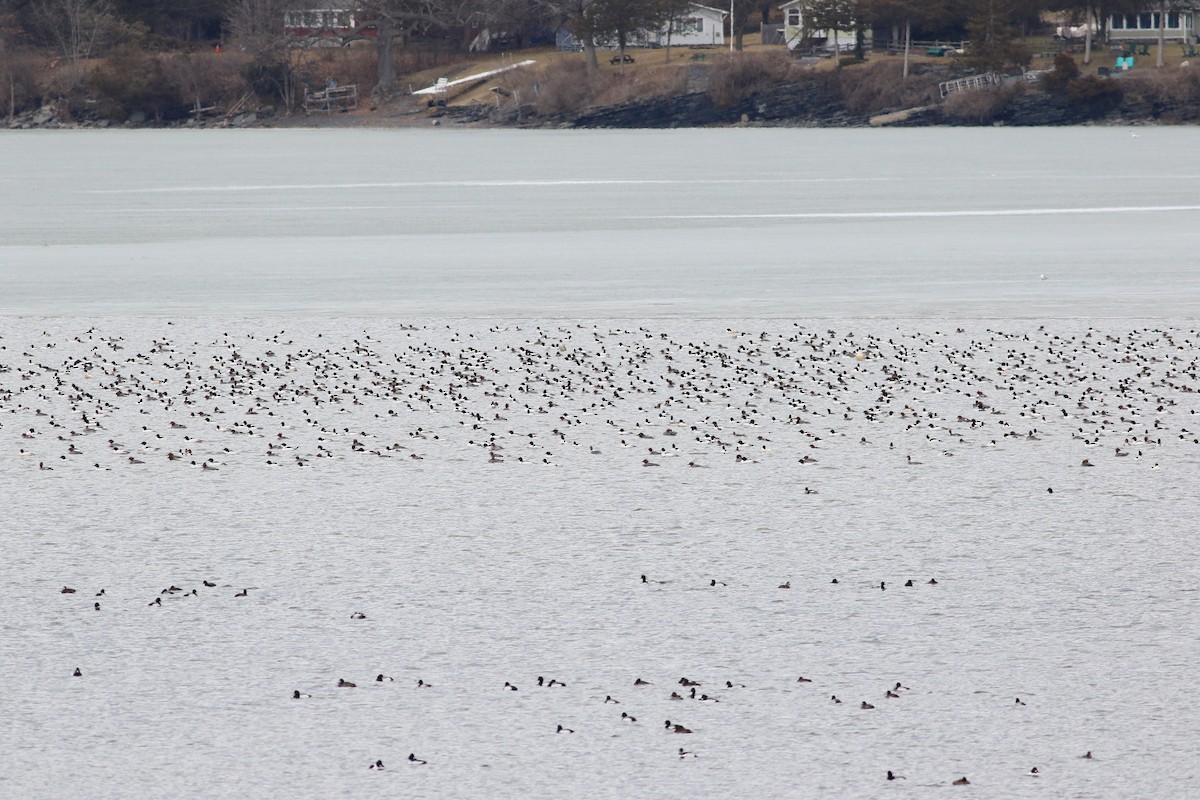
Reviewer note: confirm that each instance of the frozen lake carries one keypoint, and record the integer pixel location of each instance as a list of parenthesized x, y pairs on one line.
[(419, 376), (751, 223)]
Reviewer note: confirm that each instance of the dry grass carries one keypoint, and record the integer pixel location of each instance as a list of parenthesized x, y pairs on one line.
[(982, 106), (732, 79), (19, 90), (566, 85), (881, 86), (1169, 88)]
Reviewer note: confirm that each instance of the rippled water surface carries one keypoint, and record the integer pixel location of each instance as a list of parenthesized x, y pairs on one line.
[(418, 376)]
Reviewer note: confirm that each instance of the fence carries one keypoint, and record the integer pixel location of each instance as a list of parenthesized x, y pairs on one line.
[(968, 83)]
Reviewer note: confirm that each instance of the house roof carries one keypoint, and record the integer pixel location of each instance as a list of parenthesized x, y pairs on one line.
[(716, 11), (791, 3)]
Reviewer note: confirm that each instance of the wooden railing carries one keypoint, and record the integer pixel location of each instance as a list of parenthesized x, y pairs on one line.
[(332, 98)]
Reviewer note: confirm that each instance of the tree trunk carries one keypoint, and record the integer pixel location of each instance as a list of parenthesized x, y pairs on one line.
[(1087, 34), (837, 50), (1162, 32), (385, 70), (907, 44), (589, 54)]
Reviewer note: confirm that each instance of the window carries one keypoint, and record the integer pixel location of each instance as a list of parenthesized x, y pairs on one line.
[(1117, 22), (793, 18), (1173, 20), (1145, 22)]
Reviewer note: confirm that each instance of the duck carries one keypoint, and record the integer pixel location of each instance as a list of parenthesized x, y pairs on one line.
[(961, 782), (345, 684), (676, 728), (785, 585), (358, 615), (77, 673), (298, 695), (891, 776), (640, 682), (628, 717), (413, 758), (866, 706), (561, 729)]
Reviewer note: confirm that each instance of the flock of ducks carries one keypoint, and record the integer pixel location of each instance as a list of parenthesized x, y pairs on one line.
[(572, 395), (684, 689), (555, 395)]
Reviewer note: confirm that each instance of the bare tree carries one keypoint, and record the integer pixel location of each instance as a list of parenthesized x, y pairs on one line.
[(76, 26), (256, 20), (905, 13), (396, 20)]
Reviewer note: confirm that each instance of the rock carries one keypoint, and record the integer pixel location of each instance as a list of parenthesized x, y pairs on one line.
[(266, 111), (43, 115)]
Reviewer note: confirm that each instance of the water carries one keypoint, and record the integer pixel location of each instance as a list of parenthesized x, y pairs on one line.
[(421, 278)]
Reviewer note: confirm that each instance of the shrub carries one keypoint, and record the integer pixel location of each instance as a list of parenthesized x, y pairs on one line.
[(742, 75), (1065, 70), (981, 106), (881, 86), (134, 80), (1176, 90), (1094, 96), (203, 79), (567, 87)]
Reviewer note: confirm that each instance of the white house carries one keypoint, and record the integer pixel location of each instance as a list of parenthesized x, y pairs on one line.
[(698, 26), (1144, 27), (797, 33)]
